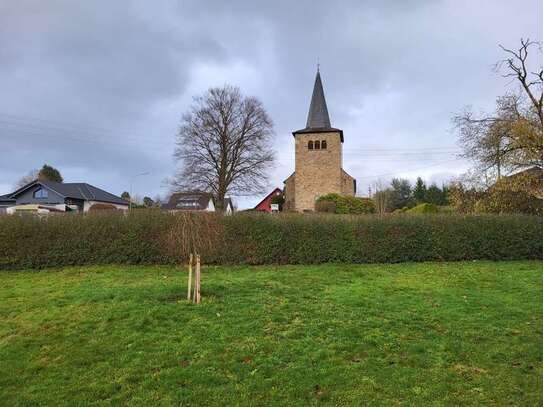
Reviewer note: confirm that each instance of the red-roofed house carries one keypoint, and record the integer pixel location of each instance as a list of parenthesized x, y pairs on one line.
[(265, 204)]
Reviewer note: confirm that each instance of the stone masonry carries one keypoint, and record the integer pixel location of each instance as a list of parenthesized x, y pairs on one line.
[(318, 159)]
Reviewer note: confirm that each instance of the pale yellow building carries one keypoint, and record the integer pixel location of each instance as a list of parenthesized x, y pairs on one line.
[(318, 159)]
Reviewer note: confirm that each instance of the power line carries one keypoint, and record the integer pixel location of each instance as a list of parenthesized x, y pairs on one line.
[(31, 126), (24, 123), (60, 136), (390, 174), (407, 149), (69, 134), (25, 120)]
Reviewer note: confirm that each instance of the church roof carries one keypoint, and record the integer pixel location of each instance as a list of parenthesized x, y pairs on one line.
[(318, 111), (318, 120)]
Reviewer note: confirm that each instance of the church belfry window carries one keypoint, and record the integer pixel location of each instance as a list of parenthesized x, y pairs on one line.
[(317, 145), (310, 145), (323, 144)]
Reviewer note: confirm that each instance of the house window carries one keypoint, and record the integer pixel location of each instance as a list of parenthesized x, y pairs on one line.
[(41, 193), (310, 145), (323, 144), (317, 145)]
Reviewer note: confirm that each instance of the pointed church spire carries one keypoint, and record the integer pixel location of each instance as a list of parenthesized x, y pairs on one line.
[(317, 117)]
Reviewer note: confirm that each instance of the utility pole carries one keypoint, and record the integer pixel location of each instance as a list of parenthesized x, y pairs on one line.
[(131, 182)]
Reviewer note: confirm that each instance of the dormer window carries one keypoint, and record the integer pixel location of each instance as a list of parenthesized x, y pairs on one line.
[(310, 145), (41, 193), (317, 145), (323, 144)]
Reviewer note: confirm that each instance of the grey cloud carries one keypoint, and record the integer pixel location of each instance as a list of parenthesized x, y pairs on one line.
[(111, 79)]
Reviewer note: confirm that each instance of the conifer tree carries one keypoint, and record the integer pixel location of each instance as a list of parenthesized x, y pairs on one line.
[(419, 192)]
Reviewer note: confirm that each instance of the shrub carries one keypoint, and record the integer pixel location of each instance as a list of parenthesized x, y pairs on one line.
[(465, 199), (325, 206), (499, 200), (401, 210), (344, 204), (424, 208), (519, 193), (154, 237)]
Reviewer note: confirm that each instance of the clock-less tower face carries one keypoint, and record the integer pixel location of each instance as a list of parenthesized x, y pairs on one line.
[(317, 169), (318, 161)]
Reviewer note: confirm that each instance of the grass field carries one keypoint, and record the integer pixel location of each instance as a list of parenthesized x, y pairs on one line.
[(430, 333)]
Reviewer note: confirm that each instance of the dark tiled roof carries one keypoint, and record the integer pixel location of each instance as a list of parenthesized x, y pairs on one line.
[(318, 111), (6, 198), (82, 190), (77, 190), (318, 120), (291, 175), (188, 201)]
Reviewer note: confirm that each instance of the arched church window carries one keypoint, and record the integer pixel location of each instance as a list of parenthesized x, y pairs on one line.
[(310, 145), (323, 144), (317, 145)]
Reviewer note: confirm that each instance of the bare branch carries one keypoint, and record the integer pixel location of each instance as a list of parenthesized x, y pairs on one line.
[(224, 145), (516, 66)]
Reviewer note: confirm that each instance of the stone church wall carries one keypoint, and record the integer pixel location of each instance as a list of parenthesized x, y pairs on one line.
[(347, 184), (289, 193), (318, 172)]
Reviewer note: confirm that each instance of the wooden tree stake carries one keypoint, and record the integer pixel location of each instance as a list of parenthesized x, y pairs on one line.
[(189, 288), (198, 277)]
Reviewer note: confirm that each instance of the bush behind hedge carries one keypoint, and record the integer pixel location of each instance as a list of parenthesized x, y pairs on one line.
[(345, 204), (154, 237)]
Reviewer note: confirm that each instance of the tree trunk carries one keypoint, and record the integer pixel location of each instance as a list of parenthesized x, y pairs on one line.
[(219, 201)]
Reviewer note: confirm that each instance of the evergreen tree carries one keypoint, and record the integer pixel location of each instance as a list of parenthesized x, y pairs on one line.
[(126, 196), (445, 194), (419, 192), (401, 194), (148, 202), (434, 195), (48, 173)]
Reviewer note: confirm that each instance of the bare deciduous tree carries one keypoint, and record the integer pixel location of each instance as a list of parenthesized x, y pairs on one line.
[(381, 197), (488, 140), (512, 137), (224, 145), (27, 179), (531, 81)]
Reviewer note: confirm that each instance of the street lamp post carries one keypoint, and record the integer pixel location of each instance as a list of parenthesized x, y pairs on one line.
[(131, 182)]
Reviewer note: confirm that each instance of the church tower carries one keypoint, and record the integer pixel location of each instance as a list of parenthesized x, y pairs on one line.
[(318, 158)]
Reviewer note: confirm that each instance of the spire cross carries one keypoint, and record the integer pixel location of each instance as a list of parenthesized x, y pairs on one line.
[(318, 65)]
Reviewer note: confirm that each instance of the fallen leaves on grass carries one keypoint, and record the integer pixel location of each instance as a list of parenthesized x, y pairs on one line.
[(464, 370)]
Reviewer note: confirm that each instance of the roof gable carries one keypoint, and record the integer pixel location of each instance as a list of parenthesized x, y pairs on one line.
[(275, 192), (195, 201)]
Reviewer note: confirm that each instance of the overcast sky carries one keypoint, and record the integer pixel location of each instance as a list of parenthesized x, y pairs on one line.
[(97, 88)]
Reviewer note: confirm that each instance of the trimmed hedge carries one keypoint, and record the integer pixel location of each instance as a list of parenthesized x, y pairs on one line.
[(153, 237)]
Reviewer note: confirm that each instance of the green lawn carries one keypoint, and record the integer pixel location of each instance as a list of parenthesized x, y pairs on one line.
[(432, 333)]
